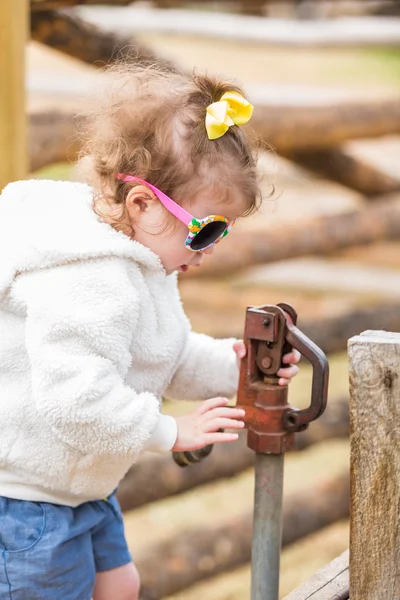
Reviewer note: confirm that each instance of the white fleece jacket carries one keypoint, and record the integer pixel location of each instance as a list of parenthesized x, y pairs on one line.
[(92, 335)]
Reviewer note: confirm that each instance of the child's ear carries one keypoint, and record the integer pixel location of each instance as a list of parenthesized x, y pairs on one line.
[(139, 199)]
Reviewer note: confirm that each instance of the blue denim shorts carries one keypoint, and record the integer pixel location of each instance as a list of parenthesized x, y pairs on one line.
[(52, 552)]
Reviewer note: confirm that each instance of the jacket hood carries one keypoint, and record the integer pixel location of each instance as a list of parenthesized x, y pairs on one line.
[(48, 223)]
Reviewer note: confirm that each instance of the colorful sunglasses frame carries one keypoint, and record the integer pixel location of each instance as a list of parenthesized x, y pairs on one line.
[(194, 225)]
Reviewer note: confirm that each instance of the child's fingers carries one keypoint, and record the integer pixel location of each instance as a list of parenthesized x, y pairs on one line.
[(292, 357), (225, 412), (288, 372), (217, 437), (211, 403), (215, 424), (240, 348), (297, 356)]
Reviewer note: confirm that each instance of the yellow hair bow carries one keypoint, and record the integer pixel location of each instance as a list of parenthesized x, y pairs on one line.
[(232, 109)]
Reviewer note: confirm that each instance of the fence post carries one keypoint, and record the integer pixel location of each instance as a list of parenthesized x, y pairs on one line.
[(13, 129), (374, 365)]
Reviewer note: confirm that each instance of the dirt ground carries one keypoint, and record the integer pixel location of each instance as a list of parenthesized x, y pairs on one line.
[(54, 81)]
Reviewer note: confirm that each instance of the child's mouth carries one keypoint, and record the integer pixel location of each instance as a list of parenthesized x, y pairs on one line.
[(183, 268)]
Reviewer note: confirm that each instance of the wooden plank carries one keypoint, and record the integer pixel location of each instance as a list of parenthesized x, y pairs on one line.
[(374, 368), (327, 582), (13, 127)]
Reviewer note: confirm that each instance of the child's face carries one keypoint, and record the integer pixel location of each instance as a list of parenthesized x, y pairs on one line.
[(148, 216)]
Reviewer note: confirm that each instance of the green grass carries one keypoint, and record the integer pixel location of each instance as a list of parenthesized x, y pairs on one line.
[(57, 171), (379, 66), (389, 55)]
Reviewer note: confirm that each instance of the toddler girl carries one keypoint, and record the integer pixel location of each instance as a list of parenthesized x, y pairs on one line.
[(93, 333)]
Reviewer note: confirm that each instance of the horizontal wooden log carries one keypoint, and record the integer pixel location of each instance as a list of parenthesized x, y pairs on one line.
[(386, 8), (358, 32), (319, 236), (246, 7), (332, 333), (251, 7), (288, 129), (329, 332), (340, 166), (51, 139), (84, 41), (158, 477), (328, 584), (55, 4), (174, 565)]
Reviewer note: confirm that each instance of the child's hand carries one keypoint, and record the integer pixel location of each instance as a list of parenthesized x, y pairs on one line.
[(200, 428), (240, 349), (286, 373)]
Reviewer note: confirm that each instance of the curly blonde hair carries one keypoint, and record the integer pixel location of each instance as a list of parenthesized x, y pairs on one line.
[(150, 122)]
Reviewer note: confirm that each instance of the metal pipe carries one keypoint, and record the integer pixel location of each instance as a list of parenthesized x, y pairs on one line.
[(267, 527)]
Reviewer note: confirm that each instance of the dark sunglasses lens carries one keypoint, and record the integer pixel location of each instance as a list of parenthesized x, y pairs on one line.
[(209, 234)]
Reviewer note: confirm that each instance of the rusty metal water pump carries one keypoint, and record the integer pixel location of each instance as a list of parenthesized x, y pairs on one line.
[(271, 426)]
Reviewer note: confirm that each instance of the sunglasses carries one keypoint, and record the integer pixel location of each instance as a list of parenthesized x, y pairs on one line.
[(203, 233)]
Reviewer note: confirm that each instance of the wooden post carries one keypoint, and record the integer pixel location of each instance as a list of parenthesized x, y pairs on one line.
[(374, 358), (13, 127)]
